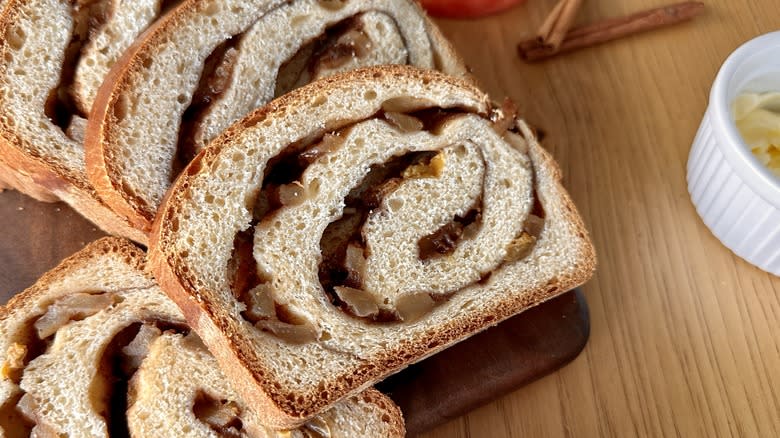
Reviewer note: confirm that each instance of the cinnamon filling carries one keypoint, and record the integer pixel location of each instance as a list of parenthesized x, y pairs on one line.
[(119, 361), (444, 240), (242, 267), (32, 340), (256, 294), (108, 390), (15, 420), (342, 244), (16, 423), (214, 79), (317, 427), (337, 45), (88, 16), (36, 334), (430, 118)]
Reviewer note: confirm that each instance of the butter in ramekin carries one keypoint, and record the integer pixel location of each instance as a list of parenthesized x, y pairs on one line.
[(758, 120)]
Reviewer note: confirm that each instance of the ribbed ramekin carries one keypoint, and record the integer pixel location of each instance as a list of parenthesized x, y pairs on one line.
[(735, 195)]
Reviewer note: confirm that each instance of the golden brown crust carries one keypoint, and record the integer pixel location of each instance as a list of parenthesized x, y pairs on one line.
[(395, 418), (44, 173), (98, 154), (43, 177), (216, 327), (49, 182), (101, 158), (25, 183), (133, 256)]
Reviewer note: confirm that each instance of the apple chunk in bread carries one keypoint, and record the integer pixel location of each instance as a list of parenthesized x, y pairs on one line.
[(207, 64), (357, 225), (95, 348)]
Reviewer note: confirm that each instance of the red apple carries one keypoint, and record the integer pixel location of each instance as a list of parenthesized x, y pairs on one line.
[(466, 8)]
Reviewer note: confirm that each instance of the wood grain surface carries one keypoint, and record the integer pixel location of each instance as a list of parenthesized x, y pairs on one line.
[(490, 364), (685, 336)]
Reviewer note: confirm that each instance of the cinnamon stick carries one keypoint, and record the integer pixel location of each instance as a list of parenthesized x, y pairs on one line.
[(611, 29), (549, 22), (563, 24)]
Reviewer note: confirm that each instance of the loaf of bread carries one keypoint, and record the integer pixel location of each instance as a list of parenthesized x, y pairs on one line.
[(209, 63), (53, 56), (94, 349), (359, 224)]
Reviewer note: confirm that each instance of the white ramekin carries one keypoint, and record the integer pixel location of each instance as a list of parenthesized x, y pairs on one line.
[(736, 196)]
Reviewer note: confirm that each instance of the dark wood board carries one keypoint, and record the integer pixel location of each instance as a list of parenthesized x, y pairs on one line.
[(491, 364), (36, 236)]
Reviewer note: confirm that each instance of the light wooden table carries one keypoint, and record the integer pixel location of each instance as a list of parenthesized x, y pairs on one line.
[(685, 335)]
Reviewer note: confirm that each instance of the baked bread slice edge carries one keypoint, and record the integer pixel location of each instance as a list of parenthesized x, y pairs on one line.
[(115, 267), (134, 187), (564, 260)]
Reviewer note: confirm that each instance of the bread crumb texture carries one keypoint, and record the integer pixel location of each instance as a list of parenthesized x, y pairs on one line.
[(95, 348), (360, 224)]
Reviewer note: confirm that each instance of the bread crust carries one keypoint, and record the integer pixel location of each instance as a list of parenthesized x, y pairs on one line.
[(25, 183), (132, 255), (97, 152), (102, 157), (218, 329), (133, 259), (42, 177)]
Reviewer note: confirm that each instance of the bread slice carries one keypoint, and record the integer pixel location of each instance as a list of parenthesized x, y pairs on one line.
[(179, 382), (94, 348), (357, 225), (210, 63), (53, 54)]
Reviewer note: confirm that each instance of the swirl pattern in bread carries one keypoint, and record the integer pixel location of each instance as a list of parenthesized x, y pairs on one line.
[(53, 56), (359, 224), (210, 63), (94, 348)]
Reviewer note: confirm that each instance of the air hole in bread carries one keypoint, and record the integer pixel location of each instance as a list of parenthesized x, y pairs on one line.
[(16, 37), (212, 9), (332, 5), (221, 415)]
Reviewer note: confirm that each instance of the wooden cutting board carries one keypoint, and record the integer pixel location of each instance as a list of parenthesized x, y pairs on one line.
[(491, 364), (36, 236)]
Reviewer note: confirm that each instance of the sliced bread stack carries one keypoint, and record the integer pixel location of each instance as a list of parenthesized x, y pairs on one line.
[(319, 224), (357, 225), (53, 55), (95, 348), (209, 63), (204, 64)]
